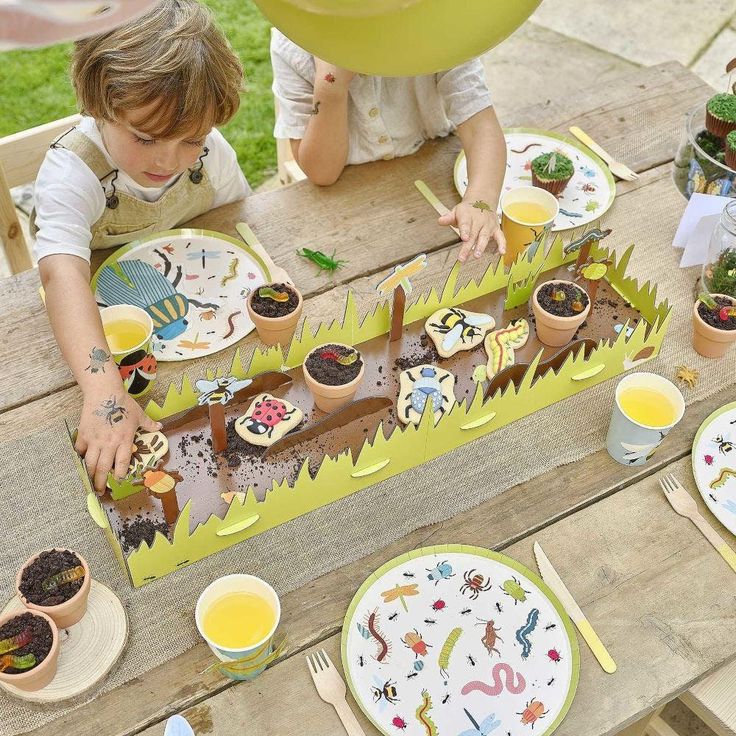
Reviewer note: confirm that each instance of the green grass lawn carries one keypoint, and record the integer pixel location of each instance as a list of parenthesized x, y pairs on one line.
[(35, 87)]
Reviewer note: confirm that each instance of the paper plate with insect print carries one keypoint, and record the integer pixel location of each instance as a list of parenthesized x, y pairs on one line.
[(193, 283), (714, 464), (587, 196), (459, 640)]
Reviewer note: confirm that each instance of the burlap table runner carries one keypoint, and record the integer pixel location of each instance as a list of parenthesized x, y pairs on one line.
[(41, 502)]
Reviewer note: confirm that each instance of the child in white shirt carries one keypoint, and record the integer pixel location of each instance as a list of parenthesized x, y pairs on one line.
[(334, 117), (146, 157)]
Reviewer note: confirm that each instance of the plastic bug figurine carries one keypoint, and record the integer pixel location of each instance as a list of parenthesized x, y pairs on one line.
[(441, 571), (475, 583), (413, 640)]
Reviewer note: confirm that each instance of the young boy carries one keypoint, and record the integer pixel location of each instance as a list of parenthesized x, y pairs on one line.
[(145, 157), (334, 117)]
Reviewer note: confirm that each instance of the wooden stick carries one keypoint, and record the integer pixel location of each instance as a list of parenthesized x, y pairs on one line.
[(397, 314), (217, 426), (170, 504)]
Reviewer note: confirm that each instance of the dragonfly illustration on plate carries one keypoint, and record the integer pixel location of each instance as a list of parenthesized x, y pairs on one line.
[(488, 724), (204, 255)]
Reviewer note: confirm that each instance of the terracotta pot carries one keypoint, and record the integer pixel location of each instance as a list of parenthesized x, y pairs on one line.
[(552, 330), (330, 398), (42, 674), (276, 330), (65, 614), (709, 341)]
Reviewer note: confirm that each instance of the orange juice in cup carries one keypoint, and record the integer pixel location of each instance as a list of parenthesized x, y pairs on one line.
[(525, 211)]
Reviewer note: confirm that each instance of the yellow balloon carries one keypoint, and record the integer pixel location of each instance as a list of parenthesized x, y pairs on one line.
[(360, 8), (406, 38)]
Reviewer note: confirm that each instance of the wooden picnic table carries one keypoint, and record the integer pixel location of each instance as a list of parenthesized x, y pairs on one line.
[(651, 585)]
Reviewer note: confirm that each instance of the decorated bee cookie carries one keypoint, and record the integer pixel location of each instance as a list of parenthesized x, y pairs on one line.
[(148, 449), (268, 419), (421, 384), (456, 329), (501, 344)]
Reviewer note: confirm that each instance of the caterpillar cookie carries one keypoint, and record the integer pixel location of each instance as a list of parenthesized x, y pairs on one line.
[(456, 329), (501, 344), (268, 419)]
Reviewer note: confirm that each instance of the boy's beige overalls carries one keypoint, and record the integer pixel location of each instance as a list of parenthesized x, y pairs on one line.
[(126, 218)]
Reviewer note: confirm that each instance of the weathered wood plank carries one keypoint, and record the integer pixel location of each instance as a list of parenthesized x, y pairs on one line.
[(652, 587), (66, 398), (314, 612), (373, 216)]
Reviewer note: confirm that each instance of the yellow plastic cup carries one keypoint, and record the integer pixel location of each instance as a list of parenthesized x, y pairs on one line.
[(521, 233), (135, 362), (249, 661)]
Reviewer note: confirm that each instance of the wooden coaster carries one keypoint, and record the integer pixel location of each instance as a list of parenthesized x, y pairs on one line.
[(89, 649)]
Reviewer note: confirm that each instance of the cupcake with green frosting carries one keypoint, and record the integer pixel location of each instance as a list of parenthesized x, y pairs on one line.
[(731, 150), (552, 171), (720, 114)]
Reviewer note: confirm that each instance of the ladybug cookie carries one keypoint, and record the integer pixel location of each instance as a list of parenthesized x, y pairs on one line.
[(268, 419)]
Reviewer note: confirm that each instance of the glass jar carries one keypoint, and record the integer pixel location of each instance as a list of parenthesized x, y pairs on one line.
[(719, 271), (699, 164)]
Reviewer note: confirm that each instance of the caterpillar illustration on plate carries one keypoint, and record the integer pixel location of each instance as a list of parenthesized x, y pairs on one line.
[(446, 651), (522, 635), (423, 717), (232, 272)]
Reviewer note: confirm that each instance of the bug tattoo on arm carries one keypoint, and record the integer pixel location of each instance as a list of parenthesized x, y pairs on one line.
[(112, 411), (98, 357), (315, 109)]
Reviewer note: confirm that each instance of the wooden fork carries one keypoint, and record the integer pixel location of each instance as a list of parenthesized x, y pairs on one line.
[(331, 688), (684, 504), (617, 168)]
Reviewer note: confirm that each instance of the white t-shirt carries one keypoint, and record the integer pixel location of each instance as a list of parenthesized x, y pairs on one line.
[(387, 116), (69, 198)]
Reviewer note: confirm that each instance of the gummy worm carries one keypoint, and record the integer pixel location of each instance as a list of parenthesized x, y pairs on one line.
[(382, 644), (232, 272), (231, 325), (17, 641), (447, 647), (526, 148), (522, 635), (19, 663), (423, 714), (65, 576), (498, 686)]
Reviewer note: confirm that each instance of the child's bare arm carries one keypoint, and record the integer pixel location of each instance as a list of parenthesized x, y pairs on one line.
[(475, 217), (76, 322), (323, 151)]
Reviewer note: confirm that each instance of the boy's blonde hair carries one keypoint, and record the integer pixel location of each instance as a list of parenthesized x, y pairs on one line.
[(173, 55)]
